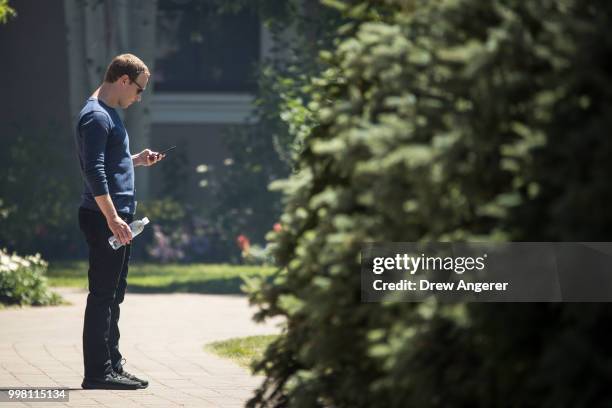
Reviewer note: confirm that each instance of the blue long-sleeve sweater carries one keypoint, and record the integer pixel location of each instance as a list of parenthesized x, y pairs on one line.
[(104, 155)]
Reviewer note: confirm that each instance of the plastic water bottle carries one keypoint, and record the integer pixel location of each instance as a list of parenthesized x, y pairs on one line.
[(136, 226)]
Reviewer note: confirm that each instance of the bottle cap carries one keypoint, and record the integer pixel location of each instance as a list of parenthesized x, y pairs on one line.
[(145, 221)]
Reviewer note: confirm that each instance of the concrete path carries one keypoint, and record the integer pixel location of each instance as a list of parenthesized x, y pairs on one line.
[(162, 338)]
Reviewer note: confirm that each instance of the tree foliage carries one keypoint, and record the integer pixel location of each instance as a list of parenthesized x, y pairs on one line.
[(37, 204), (6, 11), (444, 121), (265, 150)]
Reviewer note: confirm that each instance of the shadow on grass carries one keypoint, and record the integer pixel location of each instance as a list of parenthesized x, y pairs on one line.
[(224, 286)]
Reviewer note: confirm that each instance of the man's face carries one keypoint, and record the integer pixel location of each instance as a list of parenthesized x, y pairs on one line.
[(132, 90)]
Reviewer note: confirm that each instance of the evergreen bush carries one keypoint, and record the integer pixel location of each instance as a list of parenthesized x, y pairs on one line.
[(445, 121)]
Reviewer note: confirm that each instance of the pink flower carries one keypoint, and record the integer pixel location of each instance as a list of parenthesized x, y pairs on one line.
[(277, 227)]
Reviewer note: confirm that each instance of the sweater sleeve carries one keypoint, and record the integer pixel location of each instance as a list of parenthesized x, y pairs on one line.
[(94, 130)]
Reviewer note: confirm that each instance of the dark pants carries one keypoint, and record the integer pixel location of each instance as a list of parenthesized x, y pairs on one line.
[(107, 276)]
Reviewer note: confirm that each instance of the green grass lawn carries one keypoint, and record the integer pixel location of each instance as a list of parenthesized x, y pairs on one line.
[(158, 278), (242, 350)]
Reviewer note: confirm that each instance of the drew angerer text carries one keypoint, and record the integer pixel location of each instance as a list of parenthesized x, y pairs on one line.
[(426, 285)]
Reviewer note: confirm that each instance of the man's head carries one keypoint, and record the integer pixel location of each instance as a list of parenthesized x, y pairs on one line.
[(128, 76)]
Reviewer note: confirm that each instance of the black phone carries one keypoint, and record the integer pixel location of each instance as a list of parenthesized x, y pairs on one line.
[(167, 150)]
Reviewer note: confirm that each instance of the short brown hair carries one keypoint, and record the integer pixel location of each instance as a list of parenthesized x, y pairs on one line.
[(125, 64)]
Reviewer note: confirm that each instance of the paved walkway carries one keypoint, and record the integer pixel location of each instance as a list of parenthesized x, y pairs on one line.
[(162, 338)]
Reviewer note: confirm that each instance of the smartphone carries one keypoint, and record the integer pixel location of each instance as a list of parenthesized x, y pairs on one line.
[(167, 150)]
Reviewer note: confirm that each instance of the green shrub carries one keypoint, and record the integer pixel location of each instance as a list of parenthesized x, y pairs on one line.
[(22, 281), (445, 120)]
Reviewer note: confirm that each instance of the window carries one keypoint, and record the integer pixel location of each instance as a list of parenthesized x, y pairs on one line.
[(202, 51)]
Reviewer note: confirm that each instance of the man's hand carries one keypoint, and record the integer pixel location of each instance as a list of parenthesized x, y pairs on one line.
[(147, 158), (118, 227), (121, 230)]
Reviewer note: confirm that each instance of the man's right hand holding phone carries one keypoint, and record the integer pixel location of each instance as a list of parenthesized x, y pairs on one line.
[(163, 153)]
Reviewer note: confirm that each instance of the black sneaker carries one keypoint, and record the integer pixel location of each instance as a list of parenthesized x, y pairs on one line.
[(112, 381), (119, 369)]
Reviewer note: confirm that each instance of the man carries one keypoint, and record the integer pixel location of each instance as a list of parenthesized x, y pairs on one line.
[(107, 207)]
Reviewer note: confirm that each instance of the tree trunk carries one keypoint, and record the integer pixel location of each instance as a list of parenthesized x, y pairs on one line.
[(141, 31), (97, 31)]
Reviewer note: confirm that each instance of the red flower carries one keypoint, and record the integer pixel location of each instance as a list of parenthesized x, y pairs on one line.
[(277, 227), (243, 243)]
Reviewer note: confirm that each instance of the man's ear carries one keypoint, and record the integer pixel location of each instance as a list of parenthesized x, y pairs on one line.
[(124, 79)]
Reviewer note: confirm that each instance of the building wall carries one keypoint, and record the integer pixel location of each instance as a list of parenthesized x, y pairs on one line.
[(34, 94), (34, 64)]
